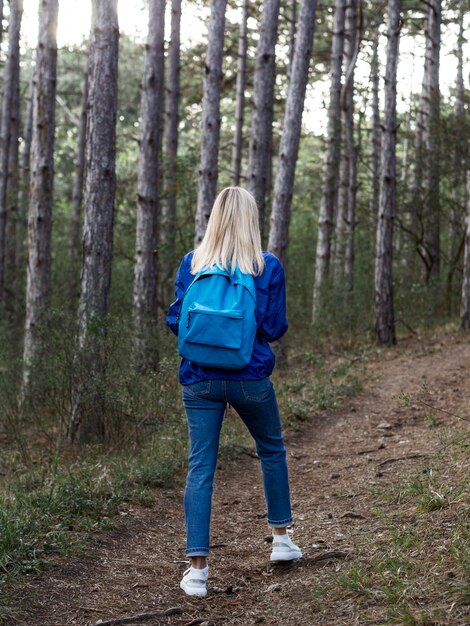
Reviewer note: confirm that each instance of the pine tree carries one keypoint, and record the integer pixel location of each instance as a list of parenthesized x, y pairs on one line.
[(208, 171), (384, 311), (168, 204), (465, 301), (88, 393), (240, 96), (77, 199), (288, 151), (331, 162), (260, 148), (347, 214), (145, 269), (42, 181), (10, 86)]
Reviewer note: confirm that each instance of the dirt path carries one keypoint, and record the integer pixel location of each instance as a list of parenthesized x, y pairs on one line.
[(334, 464)]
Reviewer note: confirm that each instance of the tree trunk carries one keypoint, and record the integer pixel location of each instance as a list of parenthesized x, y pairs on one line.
[(41, 190), (260, 149), (429, 103), (77, 198), (384, 313), (1, 39), (88, 394), (401, 243), (23, 187), (465, 303), (210, 118), (292, 34), (376, 130), (347, 165), (289, 148), (331, 162), (458, 188), (240, 98), (168, 204), (10, 85), (351, 147), (145, 269), (415, 214), (1, 21), (13, 228)]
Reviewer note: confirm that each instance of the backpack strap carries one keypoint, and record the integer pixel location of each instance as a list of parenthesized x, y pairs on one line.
[(247, 281)]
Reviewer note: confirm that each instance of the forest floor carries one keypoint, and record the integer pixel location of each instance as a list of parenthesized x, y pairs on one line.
[(380, 507)]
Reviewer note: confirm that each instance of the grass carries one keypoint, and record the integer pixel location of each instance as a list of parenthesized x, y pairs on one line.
[(414, 569), (54, 509), (50, 503), (317, 385)]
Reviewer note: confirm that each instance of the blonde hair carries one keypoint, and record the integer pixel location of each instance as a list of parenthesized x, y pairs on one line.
[(232, 237)]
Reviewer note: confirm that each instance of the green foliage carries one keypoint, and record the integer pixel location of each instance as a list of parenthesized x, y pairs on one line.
[(316, 388), (54, 508), (401, 566), (50, 501)]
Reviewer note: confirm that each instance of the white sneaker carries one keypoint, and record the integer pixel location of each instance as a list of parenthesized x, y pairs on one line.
[(193, 582), (284, 549)]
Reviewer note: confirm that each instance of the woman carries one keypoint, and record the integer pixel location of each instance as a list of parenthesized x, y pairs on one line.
[(233, 239)]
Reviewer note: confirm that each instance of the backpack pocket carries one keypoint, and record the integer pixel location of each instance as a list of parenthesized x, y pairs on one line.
[(220, 328)]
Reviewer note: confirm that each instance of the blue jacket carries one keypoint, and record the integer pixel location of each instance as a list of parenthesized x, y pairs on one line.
[(270, 315)]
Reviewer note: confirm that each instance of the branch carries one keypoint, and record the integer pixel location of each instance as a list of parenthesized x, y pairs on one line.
[(140, 617), (415, 455)]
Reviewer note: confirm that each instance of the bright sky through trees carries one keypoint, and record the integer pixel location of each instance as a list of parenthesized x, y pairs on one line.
[(74, 24)]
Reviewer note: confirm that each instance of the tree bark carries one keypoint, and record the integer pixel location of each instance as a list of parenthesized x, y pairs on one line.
[(145, 269), (240, 97), (260, 148), (465, 302), (376, 130), (23, 186), (10, 85), (210, 118), (292, 34), (347, 176), (415, 214), (88, 395), (1, 21), (460, 150), (1, 39), (331, 162), (289, 148), (384, 312), (77, 199), (13, 227), (351, 147), (168, 205), (401, 243), (41, 187), (429, 117)]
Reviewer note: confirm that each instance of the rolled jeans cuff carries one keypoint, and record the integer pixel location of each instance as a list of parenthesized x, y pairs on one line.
[(280, 524), (197, 552)]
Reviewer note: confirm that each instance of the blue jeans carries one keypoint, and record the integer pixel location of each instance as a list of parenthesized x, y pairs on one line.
[(255, 402)]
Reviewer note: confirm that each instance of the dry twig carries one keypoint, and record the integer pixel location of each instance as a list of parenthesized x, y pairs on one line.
[(415, 455), (140, 617)]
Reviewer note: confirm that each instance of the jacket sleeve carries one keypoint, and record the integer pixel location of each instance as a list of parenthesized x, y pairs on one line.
[(173, 311), (274, 324)]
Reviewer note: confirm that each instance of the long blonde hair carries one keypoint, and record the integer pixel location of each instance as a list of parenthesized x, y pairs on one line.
[(232, 237)]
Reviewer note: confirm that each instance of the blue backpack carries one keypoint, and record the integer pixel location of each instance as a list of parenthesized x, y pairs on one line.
[(217, 320)]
